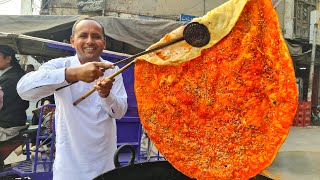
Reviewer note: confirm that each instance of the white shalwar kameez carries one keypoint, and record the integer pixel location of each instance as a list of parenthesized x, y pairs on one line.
[(86, 133)]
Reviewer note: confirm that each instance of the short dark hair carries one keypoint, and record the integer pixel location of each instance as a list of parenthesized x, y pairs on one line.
[(30, 66), (7, 51), (86, 18)]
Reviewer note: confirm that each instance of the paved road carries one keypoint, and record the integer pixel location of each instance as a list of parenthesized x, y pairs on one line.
[(299, 156)]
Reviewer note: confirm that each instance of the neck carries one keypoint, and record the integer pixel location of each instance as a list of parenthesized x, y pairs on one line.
[(83, 61)]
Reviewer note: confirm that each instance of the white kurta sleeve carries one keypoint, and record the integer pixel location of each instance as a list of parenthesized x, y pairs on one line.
[(43, 82), (116, 103)]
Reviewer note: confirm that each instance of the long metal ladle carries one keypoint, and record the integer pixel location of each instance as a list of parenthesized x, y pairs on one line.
[(195, 34)]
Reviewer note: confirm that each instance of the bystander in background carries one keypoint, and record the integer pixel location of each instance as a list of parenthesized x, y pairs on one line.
[(13, 112), (29, 68)]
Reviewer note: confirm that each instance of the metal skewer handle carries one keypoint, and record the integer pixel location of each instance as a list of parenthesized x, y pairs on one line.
[(110, 77), (195, 34)]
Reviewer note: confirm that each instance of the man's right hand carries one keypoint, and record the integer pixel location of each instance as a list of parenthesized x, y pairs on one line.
[(87, 72)]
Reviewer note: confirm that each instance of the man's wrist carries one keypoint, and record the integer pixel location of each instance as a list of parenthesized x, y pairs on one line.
[(70, 76)]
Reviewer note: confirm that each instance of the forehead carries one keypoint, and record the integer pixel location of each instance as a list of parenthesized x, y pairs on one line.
[(88, 25)]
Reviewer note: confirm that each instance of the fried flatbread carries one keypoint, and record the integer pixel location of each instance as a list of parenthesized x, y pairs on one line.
[(225, 113)]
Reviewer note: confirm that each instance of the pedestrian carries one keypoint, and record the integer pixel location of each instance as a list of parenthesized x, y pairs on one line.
[(13, 111), (86, 133), (29, 68)]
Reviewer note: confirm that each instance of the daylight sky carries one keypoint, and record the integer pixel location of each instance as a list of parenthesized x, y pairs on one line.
[(10, 7)]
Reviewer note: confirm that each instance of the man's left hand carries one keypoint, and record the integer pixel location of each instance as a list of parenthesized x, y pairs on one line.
[(103, 86)]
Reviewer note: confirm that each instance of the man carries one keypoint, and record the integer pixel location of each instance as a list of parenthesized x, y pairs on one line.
[(86, 133), (13, 111), (29, 68)]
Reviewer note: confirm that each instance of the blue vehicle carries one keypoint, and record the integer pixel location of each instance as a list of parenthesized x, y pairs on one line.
[(39, 161)]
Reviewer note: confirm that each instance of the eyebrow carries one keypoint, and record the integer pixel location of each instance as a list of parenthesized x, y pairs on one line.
[(94, 34)]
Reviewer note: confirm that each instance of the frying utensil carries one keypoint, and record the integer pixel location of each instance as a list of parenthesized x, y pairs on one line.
[(195, 34)]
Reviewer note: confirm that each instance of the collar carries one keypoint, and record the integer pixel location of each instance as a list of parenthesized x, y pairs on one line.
[(3, 71), (101, 59)]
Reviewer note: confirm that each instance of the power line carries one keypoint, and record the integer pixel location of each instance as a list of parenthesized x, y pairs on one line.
[(4, 1), (34, 4), (43, 6)]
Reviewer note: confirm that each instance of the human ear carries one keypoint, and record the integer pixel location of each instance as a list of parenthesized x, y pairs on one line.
[(72, 41)]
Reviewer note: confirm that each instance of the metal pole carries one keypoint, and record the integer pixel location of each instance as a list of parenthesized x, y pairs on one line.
[(204, 7), (104, 8), (313, 55)]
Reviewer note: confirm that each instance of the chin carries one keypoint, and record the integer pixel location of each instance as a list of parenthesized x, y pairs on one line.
[(91, 58)]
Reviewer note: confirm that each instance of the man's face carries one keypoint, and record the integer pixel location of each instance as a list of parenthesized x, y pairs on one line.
[(4, 61), (88, 40)]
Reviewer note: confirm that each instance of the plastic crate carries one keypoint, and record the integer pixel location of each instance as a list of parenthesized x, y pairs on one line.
[(299, 121), (304, 105), (307, 121)]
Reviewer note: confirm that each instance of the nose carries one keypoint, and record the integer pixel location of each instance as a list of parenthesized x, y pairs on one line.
[(89, 40)]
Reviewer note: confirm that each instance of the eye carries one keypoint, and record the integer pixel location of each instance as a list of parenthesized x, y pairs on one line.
[(97, 36), (82, 36)]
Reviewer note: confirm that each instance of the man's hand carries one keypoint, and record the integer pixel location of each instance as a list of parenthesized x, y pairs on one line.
[(87, 72), (103, 86)]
